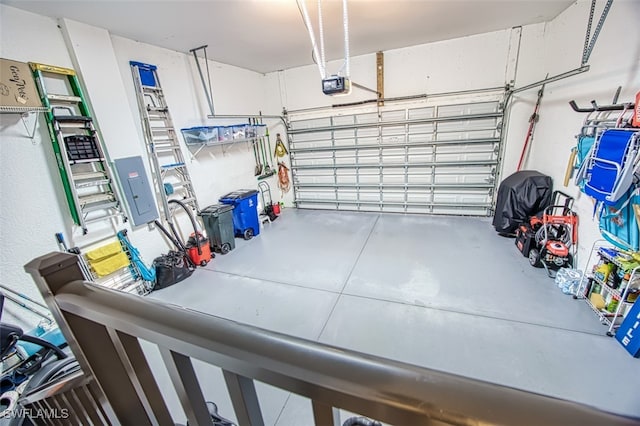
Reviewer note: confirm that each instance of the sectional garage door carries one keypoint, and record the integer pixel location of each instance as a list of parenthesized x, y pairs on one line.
[(435, 159)]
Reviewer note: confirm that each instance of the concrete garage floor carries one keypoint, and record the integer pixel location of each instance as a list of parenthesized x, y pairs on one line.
[(441, 292)]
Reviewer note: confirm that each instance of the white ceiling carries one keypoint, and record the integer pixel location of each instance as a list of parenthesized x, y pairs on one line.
[(269, 35)]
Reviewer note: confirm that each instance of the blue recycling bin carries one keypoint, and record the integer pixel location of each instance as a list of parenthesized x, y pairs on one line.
[(245, 212)]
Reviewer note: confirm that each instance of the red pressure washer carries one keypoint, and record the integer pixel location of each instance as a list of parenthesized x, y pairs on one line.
[(556, 236)]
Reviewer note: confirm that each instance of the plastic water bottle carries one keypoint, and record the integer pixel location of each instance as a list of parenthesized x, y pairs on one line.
[(568, 280)]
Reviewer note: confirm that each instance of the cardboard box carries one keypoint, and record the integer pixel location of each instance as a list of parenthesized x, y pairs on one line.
[(17, 87)]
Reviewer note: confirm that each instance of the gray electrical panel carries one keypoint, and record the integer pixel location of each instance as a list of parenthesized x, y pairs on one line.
[(137, 191)]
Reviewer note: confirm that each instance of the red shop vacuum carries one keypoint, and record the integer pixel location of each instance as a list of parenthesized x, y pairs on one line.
[(197, 248)]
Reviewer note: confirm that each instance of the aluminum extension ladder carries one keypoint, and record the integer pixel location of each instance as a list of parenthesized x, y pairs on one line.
[(169, 170), (86, 176)]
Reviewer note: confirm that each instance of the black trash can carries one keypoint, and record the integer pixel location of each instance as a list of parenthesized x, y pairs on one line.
[(218, 221)]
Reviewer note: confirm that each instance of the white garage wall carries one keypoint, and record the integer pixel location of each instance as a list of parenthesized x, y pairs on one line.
[(31, 197), (466, 63)]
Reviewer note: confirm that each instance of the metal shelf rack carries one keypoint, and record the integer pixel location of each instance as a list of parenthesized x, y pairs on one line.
[(24, 113), (610, 319), (127, 279), (228, 143)]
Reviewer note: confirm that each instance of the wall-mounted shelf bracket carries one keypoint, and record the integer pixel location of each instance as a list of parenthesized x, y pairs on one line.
[(25, 112), (595, 107)]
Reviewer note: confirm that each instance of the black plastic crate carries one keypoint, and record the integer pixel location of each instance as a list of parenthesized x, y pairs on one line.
[(81, 147)]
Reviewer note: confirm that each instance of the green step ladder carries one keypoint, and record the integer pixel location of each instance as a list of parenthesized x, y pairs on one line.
[(168, 168), (86, 176)]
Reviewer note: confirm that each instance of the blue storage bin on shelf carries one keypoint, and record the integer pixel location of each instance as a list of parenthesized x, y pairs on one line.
[(255, 131), (245, 212), (225, 133), (261, 130), (239, 131), (200, 135)]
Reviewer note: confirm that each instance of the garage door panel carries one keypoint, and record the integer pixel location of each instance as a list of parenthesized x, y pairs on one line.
[(394, 179), (311, 123), (341, 120), (392, 132), (394, 139), (371, 132), (344, 134), (367, 118), (465, 156), (421, 128), (439, 159), (389, 116), (467, 126), (368, 141), (420, 113), (460, 109)]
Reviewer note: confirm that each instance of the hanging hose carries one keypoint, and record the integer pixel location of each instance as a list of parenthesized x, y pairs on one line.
[(177, 243), (559, 232), (193, 223), (283, 177), (177, 236)]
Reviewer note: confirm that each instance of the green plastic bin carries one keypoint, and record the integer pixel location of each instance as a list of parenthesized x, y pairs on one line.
[(218, 222)]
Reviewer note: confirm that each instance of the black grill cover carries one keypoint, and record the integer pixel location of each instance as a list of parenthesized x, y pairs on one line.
[(520, 196)]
